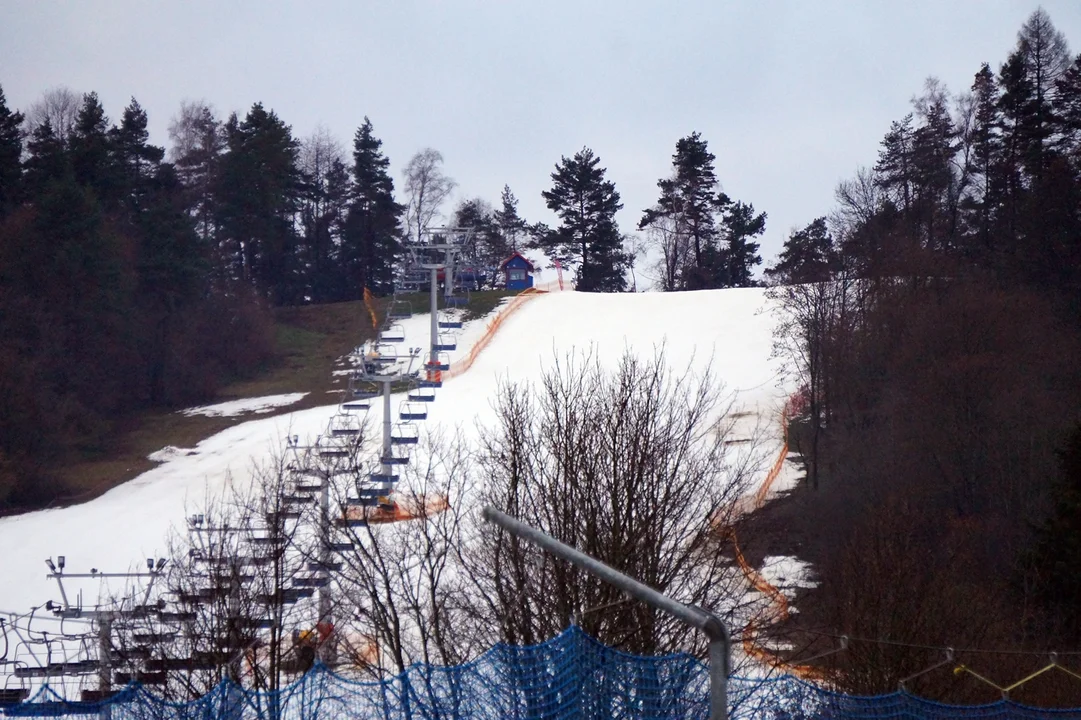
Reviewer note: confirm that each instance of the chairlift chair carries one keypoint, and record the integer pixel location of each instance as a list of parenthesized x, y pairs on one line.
[(394, 333), (404, 434), (437, 361), (344, 425), (423, 393), (446, 341), (399, 310), (412, 411)]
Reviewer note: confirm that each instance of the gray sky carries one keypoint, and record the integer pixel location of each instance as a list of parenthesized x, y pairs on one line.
[(792, 96)]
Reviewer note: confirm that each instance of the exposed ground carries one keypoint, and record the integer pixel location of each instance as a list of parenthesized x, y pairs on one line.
[(310, 341)]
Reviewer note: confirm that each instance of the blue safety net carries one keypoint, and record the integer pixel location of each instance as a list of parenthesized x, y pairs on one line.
[(570, 676)]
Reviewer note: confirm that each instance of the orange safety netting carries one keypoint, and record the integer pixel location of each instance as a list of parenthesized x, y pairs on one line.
[(460, 366), (400, 509), (369, 303), (777, 610)]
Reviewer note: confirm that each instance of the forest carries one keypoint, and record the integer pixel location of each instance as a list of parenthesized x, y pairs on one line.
[(932, 321), (135, 278)]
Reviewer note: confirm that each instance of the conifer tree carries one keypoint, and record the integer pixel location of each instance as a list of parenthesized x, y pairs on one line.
[(47, 160), (91, 151), (11, 149), (689, 203), (739, 256), (809, 255), (137, 160), (258, 191), (588, 237), (986, 140), (512, 228), (372, 235)]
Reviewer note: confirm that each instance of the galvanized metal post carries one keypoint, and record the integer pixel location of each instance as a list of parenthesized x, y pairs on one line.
[(720, 644), (387, 469), (435, 311)]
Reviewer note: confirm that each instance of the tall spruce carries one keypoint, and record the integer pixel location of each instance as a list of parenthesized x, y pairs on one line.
[(137, 161), (258, 193), (690, 203), (587, 237), (809, 255), (739, 255), (371, 239), (512, 228), (11, 150)]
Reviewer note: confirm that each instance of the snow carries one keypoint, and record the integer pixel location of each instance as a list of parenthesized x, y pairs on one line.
[(256, 405), (727, 331)]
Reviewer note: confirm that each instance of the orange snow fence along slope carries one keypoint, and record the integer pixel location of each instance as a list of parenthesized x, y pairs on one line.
[(460, 366), (777, 610)]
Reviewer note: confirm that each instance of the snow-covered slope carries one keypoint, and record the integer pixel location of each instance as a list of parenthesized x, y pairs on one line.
[(731, 329)]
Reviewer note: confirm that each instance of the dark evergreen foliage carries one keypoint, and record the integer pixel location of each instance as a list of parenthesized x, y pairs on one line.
[(11, 149), (107, 303), (809, 255), (588, 237), (371, 240)]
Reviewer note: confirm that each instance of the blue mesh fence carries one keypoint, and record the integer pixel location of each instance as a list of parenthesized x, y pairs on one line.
[(570, 676)]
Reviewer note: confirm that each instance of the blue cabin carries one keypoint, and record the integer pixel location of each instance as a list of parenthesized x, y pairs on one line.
[(517, 272)]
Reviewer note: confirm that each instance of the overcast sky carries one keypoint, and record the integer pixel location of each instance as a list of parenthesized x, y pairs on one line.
[(791, 96)]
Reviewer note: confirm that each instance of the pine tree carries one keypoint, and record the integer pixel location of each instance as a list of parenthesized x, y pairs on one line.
[(588, 236), (690, 203), (91, 151), (258, 193), (11, 150), (1067, 110), (137, 160), (372, 237), (893, 171), (986, 148), (1045, 57), (511, 227), (47, 161), (740, 253), (809, 255)]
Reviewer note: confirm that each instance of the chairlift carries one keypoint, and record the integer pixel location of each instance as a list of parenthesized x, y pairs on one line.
[(351, 405), (311, 582), (437, 361), (404, 434), (401, 458), (450, 324), (399, 310), (412, 411), (429, 383), (423, 393), (344, 425), (329, 566), (394, 333), (446, 341)]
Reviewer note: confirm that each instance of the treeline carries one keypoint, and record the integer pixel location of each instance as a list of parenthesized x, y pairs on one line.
[(108, 302), (932, 320)]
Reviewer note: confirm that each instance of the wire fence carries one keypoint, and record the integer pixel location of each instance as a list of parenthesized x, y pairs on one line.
[(570, 676)]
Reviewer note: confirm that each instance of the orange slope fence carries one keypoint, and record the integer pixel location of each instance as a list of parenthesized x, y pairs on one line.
[(460, 366), (777, 608)]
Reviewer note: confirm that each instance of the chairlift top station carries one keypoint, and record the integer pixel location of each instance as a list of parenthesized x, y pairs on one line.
[(94, 665)]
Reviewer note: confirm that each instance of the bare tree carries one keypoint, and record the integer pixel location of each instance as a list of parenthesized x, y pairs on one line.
[(669, 237), (59, 106), (630, 466), (426, 189), (198, 142)]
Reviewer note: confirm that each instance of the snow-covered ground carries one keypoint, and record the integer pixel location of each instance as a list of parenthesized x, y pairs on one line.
[(729, 331)]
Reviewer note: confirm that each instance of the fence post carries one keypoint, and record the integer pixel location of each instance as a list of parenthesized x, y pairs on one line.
[(720, 644)]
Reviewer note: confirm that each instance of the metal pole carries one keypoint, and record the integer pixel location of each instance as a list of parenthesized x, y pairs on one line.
[(719, 641), (386, 468), (435, 310)]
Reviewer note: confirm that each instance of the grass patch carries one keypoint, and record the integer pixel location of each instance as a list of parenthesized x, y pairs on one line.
[(309, 342)]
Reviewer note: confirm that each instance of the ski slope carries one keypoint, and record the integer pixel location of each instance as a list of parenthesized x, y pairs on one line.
[(730, 330)]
